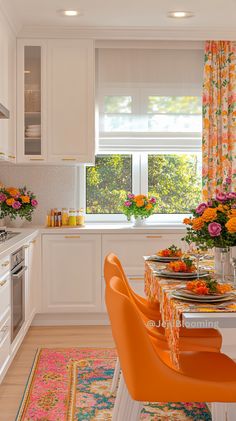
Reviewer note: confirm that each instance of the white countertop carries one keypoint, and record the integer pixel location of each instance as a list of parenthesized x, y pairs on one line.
[(25, 235), (117, 228)]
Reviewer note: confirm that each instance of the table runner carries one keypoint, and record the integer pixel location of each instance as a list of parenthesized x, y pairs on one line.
[(158, 289)]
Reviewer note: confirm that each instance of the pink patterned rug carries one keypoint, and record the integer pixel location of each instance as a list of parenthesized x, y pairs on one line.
[(73, 384)]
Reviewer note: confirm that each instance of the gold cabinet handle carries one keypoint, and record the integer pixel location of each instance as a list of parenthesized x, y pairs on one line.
[(37, 159), (69, 159), (72, 236), (2, 153), (2, 283), (5, 264), (11, 156), (33, 242), (153, 236)]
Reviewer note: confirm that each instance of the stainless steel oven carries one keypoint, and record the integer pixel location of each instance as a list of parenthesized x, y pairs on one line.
[(18, 269)]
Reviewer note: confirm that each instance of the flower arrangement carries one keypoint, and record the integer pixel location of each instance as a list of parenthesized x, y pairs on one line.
[(213, 224), (139, 206), (171, 251), (17, 202), (208, 286), (185, 265)]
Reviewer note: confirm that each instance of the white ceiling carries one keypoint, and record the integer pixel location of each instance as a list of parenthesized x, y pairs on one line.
[(124, 13)]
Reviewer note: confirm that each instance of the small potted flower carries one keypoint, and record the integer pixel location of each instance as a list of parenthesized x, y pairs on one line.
[(18, 204), (140, 207)]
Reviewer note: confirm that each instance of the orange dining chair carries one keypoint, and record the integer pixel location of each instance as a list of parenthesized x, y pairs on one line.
[(147, 373), (190, 339)]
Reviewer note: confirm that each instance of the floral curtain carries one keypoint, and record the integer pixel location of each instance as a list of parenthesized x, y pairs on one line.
[(219, 117)]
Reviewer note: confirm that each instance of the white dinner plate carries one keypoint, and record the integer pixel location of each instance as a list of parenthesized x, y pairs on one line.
[(198, 299), (181, 275), (188, 294)]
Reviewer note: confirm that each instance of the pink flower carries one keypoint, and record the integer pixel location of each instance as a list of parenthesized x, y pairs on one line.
[(127, 203), (214, 229), (130, 196), (153, 200), (200, 209), (34, 202), (221, 197), (210, 203), (2, 197), (231, 195), (16, 205), (228, 180)]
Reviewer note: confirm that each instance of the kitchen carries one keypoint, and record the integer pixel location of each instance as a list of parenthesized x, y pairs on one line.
[(100, 152)]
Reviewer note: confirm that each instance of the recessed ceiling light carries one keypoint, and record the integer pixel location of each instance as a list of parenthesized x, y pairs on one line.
[(69, 13), (180, 14)]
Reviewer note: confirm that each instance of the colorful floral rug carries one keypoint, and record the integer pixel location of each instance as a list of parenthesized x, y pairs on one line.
[(73, 384)]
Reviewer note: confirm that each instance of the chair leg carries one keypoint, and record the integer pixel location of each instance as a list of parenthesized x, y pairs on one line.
[(115, 376), (125, 407)]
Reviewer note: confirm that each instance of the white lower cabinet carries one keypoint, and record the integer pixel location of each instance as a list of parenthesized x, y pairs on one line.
[(32, 278), (130, 248), (71, 273)]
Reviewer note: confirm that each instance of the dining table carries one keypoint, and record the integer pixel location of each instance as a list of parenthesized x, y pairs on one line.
[(178, 312)]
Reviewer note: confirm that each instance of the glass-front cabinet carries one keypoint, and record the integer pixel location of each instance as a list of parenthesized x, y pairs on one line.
[(31, 123)]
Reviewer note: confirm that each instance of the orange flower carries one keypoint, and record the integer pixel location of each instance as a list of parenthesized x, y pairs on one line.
[(12, 191), (10, 202), (25, 199), (210, 214), (148, 206), (140, 203), (232, 213), (139, 197), (231, 225), (197, 223), (187, 221)]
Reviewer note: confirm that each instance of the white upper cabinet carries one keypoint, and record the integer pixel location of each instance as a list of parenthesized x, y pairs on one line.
[(7, 90), (71, 107), (56, 101)]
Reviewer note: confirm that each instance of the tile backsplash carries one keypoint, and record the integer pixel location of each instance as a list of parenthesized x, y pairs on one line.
[(54, 186)]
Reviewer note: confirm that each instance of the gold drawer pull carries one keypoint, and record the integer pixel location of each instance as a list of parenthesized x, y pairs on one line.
[(136, 278), (154, 236), (11, 156), (2, 283), (69, 159), (72, 236), (2, 153), (36, 159), (5, 264), (33, 242)]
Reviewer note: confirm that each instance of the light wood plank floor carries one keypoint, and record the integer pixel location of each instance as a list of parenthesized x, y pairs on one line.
[(14, 383)]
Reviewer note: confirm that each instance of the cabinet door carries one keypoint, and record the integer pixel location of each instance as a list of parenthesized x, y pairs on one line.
[(130, 248), (3, 88), (11, 155), (31, 107), (71, 105), (71, 273)]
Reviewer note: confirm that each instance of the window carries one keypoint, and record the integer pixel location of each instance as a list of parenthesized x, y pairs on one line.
[(150, 123), (107, 183), (176, 181)]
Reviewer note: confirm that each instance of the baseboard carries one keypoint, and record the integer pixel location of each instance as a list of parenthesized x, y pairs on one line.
[(56, 319)]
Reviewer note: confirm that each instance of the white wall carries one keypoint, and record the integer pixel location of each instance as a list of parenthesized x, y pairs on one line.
[(54, 186)]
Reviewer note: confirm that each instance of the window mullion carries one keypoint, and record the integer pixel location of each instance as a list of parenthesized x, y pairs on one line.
[(136, 173), (144, 173)]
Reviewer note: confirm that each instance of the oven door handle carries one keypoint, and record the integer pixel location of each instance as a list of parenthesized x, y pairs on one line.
[(17, 275)]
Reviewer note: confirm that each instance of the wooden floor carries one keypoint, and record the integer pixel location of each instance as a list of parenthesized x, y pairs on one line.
[(14, 383)]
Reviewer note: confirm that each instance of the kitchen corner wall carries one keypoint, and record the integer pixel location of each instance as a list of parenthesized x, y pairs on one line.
[(54, 186)]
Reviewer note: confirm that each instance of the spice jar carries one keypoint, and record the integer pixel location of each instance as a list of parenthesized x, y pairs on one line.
[(80, 217), (65, 216), (72, 218)]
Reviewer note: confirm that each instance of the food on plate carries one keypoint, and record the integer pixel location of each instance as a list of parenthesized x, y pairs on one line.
[(171, 251), (185, 265), (208, 286)]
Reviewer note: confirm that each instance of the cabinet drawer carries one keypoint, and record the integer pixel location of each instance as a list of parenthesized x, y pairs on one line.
[(5, 340), (4, 293), (4, 265), (130, 248)]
